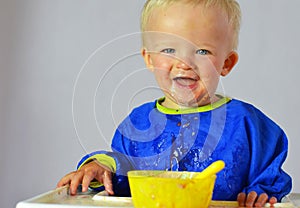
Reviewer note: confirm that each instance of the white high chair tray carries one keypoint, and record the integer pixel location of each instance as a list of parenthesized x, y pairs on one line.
[(60, 198)]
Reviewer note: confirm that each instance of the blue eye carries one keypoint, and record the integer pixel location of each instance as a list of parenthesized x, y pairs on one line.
[(168, 50), (202, 52)]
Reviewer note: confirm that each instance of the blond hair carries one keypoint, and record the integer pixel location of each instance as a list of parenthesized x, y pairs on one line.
[(230, 7)]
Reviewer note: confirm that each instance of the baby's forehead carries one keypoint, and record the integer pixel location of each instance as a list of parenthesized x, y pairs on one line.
[(162, 39)]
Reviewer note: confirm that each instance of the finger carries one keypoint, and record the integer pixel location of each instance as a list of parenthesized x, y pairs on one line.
[(241, 199), (75, 181), (261, 201), (273, 200), (251, 198), (87, 178), (64, 181), (107, 182)]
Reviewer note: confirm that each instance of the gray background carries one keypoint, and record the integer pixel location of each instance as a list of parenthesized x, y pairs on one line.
[(44, 45)]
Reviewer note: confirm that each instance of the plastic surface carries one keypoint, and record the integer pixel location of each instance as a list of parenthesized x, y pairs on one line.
[(60, 198)]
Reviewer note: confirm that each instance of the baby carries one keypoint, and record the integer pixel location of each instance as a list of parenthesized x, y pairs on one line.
[(188, 45)]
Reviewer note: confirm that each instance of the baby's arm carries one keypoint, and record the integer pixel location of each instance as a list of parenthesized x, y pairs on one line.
[(86, 174), (267, 182)]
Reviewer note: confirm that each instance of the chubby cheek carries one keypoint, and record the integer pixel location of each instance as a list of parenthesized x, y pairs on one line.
[(208, 65), (162, 77), (210, 81), (209, 73), (162, 62)]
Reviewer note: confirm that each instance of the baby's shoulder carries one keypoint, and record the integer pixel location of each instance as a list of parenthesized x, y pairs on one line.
[(139, 117), (143, 109), (242, 106), (247, 111)]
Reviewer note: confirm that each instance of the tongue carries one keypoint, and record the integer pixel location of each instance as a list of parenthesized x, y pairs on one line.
[(185, 81)]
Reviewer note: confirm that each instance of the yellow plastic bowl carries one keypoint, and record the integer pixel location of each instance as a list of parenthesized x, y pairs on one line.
[(166, 189)]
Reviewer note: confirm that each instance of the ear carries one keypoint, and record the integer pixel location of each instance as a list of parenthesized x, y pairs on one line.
[(147, 59), (229, 63)]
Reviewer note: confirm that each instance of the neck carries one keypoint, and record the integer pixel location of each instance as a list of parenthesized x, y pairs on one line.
[(168, 103)]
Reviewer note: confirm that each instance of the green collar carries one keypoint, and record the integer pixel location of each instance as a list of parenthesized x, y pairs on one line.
[(200, 109)]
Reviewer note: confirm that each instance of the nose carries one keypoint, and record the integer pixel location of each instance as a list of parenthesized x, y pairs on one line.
[(184, 64)]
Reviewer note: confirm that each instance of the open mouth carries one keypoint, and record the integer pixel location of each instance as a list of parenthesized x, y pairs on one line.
[(186, 81)]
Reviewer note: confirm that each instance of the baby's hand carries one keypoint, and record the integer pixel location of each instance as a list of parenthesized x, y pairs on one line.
[(253, 200), (87, 173)]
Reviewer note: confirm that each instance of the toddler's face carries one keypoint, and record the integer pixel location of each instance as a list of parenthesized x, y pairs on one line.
[(187, 49)]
